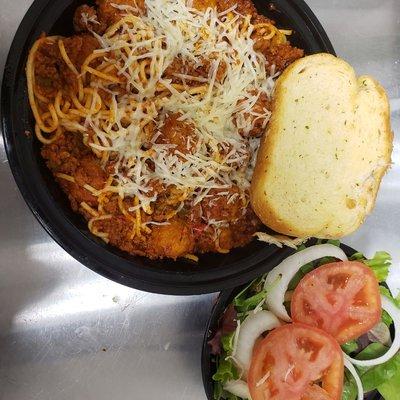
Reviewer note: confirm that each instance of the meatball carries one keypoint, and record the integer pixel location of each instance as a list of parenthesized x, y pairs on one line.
[(187, 67), (86, 20), (179, 133), (172, 240), (222, 204), (109, 14)]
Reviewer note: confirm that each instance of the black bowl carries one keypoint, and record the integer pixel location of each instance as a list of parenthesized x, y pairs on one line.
[(224, 299), (50, 206)]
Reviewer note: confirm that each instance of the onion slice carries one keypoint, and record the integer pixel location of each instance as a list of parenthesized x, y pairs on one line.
[(250, 330), (352, 370), (394, 312), (278, 279), (238, 388)]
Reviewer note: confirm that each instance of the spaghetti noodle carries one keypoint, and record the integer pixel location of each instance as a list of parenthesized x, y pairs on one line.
[(152, 126)]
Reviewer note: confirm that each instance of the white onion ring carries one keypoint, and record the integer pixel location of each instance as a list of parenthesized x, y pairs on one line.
[(238, 388), (250, 330), (352, 370), (278, 279), (394, 312)]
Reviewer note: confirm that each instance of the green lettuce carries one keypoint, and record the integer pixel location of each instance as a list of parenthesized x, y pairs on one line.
[(220, 393), (226, 371), (227, 342), (349, 387), (373, 377), (390, 390), (350, 347), (379, 263), (243, 305)]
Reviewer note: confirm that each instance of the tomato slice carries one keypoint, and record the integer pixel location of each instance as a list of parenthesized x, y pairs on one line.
[(342, 298), (296, 362)]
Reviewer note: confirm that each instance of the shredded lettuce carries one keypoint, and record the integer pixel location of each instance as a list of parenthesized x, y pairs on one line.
[(379, 263)]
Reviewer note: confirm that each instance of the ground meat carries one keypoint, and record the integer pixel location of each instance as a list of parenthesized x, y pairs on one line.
[(261, 19), (189, 229), (47, 69), (235, 234), (108, 14), (181, 134), (78, 48), (51, 71), (86, 20), (245, 227), (68, 155), (181, 236), (167, 202), (222, 204), (186, 67), (258, 116)]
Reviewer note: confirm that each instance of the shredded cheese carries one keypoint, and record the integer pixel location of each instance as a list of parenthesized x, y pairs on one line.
[(264, 379), (136, 51)]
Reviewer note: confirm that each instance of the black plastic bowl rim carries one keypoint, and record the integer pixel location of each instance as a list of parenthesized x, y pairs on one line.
[(224, 299), (50, 206)]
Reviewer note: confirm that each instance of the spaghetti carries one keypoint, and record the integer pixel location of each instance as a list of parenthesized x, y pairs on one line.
[(152, 126)]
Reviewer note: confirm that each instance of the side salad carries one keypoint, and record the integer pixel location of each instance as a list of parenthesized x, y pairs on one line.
[(319, 326)]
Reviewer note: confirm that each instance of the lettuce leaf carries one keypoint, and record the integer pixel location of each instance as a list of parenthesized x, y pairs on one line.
[(386, 318), (226, 371), (375, 376), (250, 296), (227, 342), (390, 389), (379, 263), (244, 305), (349, 387), (350, 347), (220, 393)]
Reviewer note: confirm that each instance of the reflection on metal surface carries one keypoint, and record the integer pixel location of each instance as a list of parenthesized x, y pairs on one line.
[(67, 333)]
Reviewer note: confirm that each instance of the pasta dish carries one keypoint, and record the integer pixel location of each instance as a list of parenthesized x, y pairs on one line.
[(150, 117)]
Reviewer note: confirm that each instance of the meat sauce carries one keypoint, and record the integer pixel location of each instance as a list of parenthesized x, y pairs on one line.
[(186, 232)]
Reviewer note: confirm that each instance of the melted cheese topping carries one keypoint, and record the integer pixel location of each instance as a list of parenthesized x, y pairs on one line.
[(136, 51)]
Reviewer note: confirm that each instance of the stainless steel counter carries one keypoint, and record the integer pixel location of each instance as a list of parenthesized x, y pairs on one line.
[(67, 333)]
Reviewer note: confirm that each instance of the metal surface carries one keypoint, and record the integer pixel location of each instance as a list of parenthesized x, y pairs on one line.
[(67, 333)]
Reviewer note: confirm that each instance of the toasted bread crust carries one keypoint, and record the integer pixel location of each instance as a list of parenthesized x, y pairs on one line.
[(287, 220)]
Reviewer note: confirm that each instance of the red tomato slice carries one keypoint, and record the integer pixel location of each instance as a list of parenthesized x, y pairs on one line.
[(291, 361), (342, 298)]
